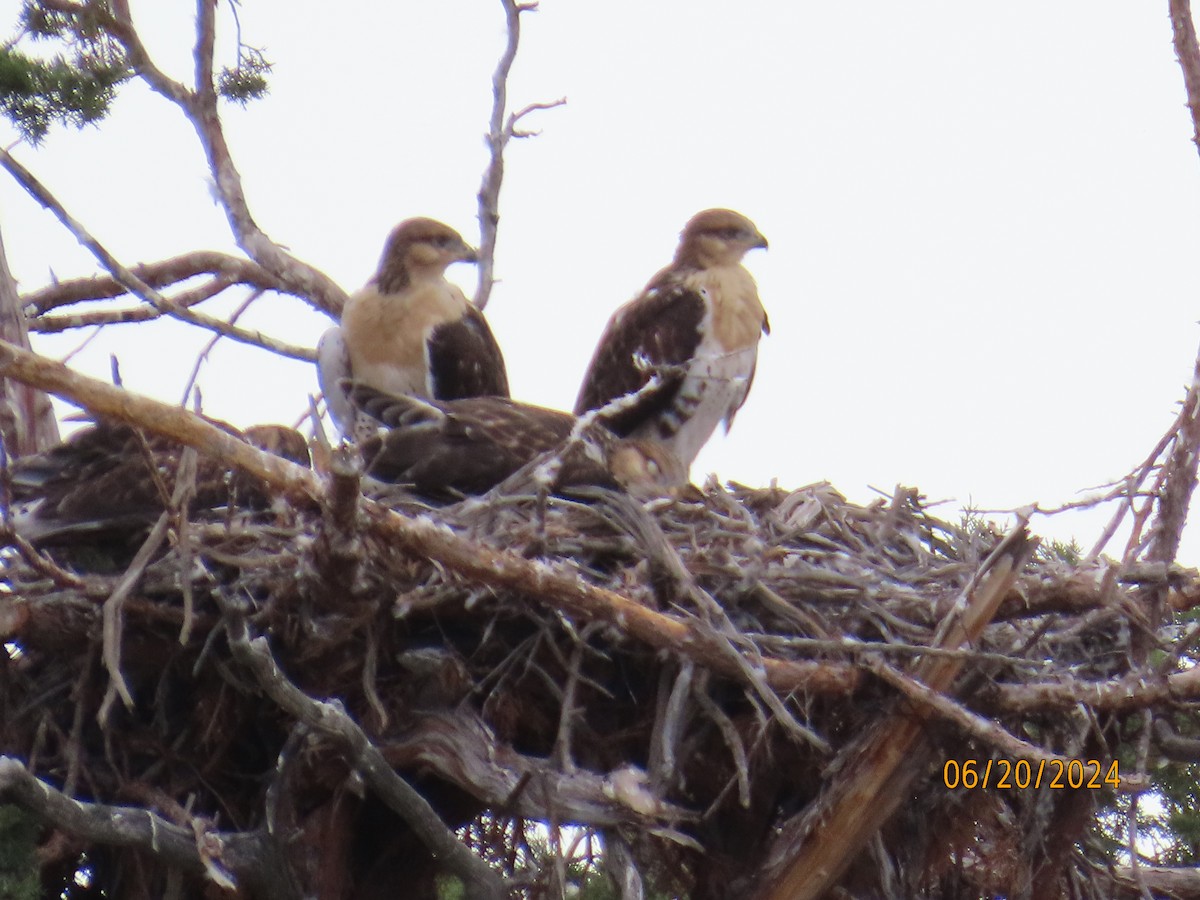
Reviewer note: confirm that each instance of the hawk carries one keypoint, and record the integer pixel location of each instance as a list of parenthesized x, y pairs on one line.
[(695, 327), (468, 446), (110, 477), (409, 330)]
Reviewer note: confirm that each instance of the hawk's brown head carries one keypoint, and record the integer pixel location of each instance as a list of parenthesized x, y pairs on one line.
[(717, 237), (420, 249)]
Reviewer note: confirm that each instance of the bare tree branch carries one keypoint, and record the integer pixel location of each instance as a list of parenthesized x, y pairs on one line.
[(107, 824), (200, 108), (1176, 480), (1179, 479), (202, 112), (134, 284), (1137, 690), (1178, 883), (511, 128), (38, 561), (330, 719), (462, 750), (121, 27), (493, 176), (499, 133), (221, 857), (1187, 51), (982, 729), (27, 421), (205, 91), (128, 315), (233, 269)]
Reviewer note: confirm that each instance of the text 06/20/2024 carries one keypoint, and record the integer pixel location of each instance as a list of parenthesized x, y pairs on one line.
[(1023, 774)]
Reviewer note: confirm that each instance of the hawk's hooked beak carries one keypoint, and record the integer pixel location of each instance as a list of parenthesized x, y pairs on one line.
[(760, 241), (468, 254)]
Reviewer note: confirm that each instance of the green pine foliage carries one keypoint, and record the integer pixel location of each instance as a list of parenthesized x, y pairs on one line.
[(248, 80), (86, 24), (1179, 788), (1069, 552), (1178, 783), (78, 83), (18, 864), (34, 94)]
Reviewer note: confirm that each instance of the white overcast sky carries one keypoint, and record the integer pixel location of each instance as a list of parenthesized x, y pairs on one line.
[(984, 218)]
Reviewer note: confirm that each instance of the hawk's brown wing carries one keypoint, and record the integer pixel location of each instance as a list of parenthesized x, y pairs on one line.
[(108, 476), (465, 360), (661, 327), (99, 475), (460, 446)]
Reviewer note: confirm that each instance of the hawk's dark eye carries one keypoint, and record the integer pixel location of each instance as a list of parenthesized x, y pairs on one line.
[(728, 234), (442, 241)]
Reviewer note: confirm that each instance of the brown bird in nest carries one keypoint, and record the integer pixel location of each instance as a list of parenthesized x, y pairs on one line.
[(695, 327), (409, 330), (111, 476), (468, 446)]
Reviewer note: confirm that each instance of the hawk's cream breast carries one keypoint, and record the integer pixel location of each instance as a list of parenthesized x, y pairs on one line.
[(736, 313), (386, 334)]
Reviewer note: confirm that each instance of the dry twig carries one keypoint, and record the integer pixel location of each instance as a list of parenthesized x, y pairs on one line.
[(134, 284), (500, 132)]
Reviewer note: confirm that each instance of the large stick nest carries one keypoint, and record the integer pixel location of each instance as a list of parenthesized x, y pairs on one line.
[(503, 710)]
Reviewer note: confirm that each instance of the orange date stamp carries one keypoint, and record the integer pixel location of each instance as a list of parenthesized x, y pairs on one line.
[(1021, 774)]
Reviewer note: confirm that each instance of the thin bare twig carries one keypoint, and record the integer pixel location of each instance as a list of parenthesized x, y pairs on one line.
[(511, 128), (114, 619), (500, 132), (669, 721), (130, 281), (163, 273), (185, 490), (216, 338), (82, 345), (979, 727), (733, 741), (129, 315), (39, 562)]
